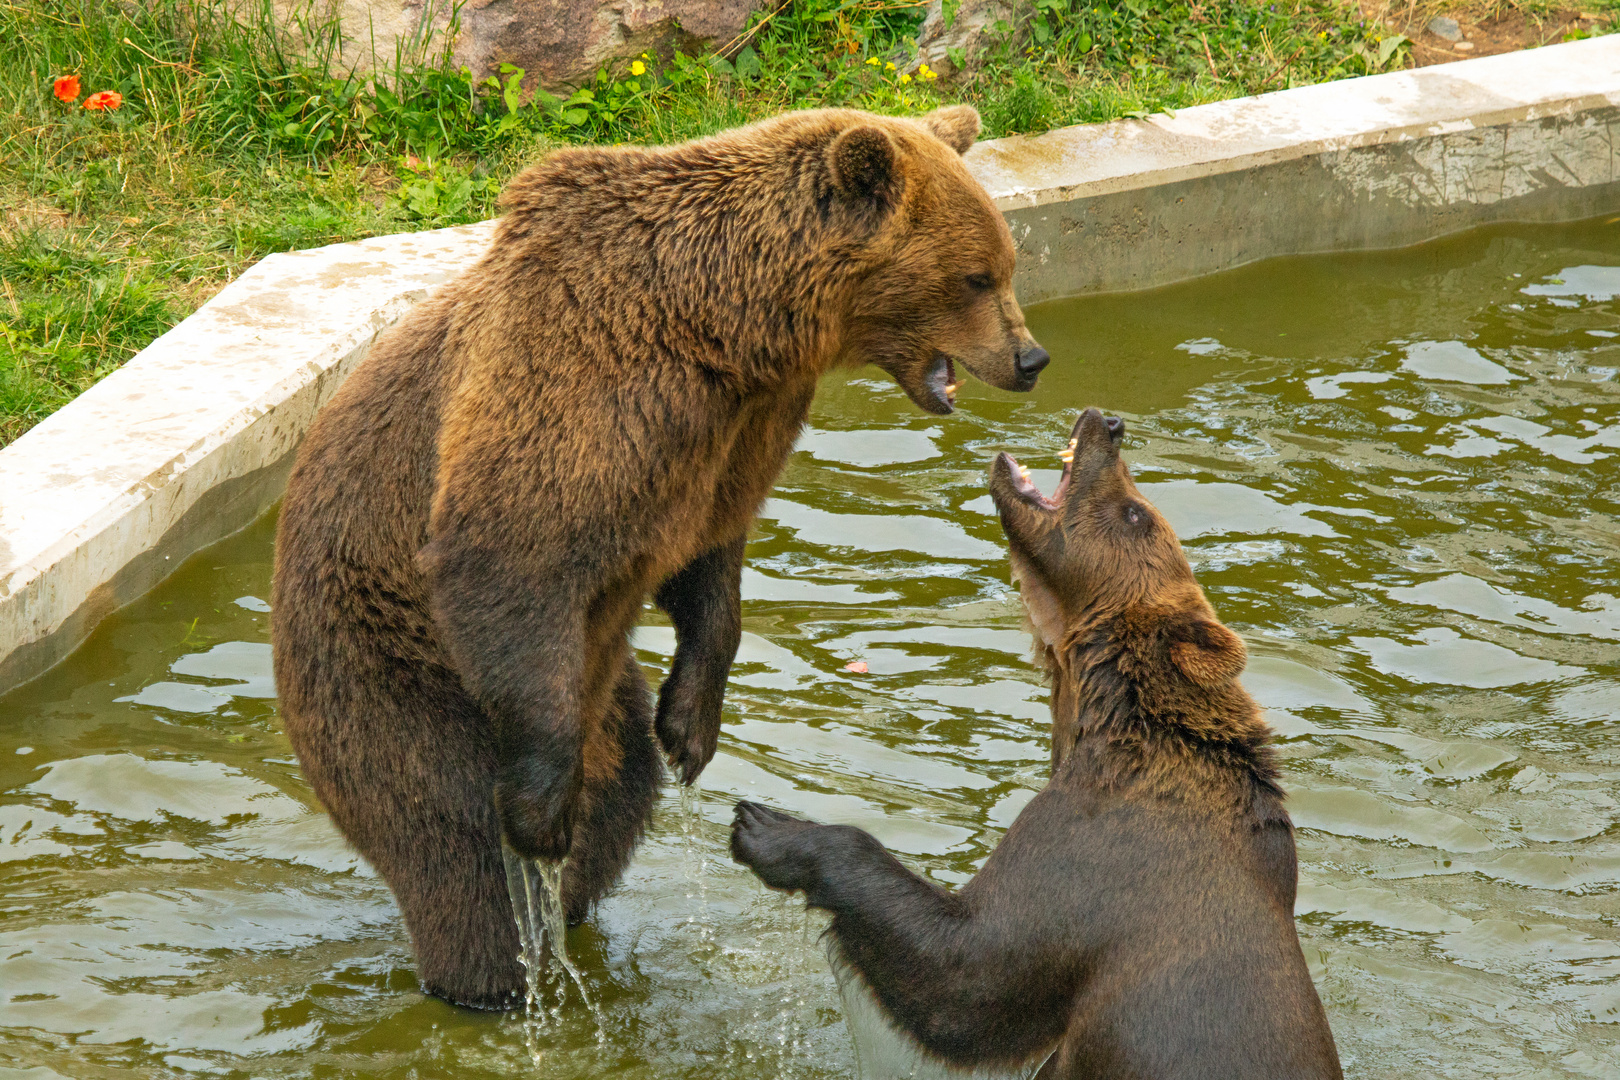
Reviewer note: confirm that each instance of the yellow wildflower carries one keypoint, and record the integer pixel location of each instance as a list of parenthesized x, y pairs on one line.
[(638, 68), (889, 66), (904, 78), (874, 61), (926, 72)]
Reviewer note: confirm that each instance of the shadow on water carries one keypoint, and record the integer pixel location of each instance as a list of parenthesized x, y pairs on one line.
[(1395, 474)]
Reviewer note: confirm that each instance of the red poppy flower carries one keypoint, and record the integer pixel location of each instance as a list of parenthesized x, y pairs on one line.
[(66, 88), (107, 100)]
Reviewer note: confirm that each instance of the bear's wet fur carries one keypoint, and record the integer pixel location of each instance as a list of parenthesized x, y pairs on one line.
[(1137, 920), (593, 415)]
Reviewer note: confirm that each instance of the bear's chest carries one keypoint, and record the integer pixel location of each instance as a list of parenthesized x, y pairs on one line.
[(731, 481), (766, 430), (720, 482)]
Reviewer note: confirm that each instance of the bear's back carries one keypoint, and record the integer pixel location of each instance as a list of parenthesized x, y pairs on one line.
[(1174, 908), (356, 511)]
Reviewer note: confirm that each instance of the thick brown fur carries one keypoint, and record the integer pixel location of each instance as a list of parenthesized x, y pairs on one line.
[(590, 416), (1137, 919)]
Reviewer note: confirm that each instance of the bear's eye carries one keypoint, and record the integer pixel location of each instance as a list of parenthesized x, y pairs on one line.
[(980, 281), (1133, 515)]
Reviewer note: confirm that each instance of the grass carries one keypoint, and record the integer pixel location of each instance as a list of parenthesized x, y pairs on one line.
[(236, 139)]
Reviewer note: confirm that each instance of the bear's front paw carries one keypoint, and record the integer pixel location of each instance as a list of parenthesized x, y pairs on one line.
[(537, 818), (780, 849), (687, 732)]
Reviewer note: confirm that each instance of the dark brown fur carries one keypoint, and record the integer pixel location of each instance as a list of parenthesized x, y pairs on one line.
[(591, 416), (1137, 919)]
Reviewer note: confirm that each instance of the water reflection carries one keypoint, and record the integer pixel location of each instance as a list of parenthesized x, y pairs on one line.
[(1393, 472)]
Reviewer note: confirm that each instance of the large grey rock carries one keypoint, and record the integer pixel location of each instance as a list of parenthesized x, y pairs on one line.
[(1443, 27), (566, 41), (973, 29), (558, 42)]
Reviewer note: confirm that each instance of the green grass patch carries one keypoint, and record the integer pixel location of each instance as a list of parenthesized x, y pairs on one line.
[(72, 311), (236, 138)]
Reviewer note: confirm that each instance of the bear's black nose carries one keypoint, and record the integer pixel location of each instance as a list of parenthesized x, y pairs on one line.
[(1116, 429), (1031, 360)]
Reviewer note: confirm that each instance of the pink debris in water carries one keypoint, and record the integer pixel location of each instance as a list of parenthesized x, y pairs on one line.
[(857, 666)]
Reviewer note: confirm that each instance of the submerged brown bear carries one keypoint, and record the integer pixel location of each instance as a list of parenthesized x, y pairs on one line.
[(590, 416), (1138, 918)]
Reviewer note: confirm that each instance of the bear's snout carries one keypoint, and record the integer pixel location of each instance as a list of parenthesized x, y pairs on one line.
[(1030, 360)]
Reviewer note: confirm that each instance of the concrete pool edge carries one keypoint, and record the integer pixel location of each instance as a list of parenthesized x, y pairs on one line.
[(190, 441)]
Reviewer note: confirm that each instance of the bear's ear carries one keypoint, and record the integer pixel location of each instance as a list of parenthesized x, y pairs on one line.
[(1206, 652), (864, 164), (955, 125)]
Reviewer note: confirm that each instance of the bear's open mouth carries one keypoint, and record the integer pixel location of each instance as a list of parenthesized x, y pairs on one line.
[(1026, 487), (938, 391)]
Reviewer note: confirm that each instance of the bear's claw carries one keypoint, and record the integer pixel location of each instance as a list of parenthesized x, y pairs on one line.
[(689, 752), (688, 726)]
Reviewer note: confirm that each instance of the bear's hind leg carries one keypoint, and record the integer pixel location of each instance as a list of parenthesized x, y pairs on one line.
[(413, 794), (615, 813), (463, 928)]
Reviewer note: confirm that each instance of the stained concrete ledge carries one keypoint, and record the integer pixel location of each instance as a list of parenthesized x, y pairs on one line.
[(191, 439)]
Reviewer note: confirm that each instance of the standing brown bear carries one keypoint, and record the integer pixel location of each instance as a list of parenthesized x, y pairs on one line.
[(1137, 921), (593, 414)]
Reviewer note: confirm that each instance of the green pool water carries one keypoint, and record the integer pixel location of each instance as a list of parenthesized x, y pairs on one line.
[(1396, 476)]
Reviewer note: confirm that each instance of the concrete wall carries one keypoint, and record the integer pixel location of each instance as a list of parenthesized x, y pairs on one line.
[(192, 439)]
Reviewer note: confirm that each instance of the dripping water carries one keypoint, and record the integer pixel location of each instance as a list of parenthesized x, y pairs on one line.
[(535, 887), (695, 864), (792, 1025)]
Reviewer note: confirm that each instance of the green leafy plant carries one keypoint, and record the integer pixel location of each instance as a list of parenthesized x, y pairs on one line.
[(1023, 102), (439, 192), (1377, 53)]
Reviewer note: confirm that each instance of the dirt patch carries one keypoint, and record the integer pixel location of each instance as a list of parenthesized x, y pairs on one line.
[(1486, 27), (1507, 32)]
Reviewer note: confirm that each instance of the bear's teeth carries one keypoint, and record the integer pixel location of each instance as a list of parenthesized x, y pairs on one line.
[(950, 389), (1067, 457), (1023, 472), (1073, 443)]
